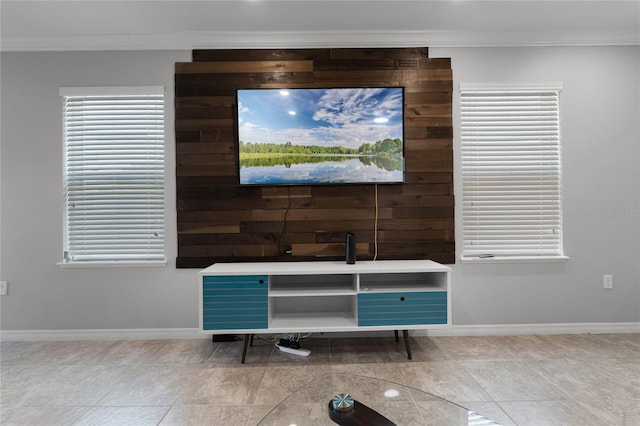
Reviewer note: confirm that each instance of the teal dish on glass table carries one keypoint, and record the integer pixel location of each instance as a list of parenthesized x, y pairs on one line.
[(348, 399)]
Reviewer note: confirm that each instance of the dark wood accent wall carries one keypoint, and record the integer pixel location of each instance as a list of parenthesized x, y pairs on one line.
[(219, 221)]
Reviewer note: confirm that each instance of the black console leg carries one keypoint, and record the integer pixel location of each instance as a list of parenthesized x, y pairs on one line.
[(396, 334), (245, 343), (251, 341), (405, 335)]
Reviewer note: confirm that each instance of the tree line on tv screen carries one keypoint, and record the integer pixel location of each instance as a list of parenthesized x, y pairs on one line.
[(385, 147)]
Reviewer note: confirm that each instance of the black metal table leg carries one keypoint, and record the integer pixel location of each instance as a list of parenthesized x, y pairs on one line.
[(405, 335), (245, 343)]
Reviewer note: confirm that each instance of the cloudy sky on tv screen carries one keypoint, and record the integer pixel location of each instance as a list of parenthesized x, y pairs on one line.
[(325, 117)]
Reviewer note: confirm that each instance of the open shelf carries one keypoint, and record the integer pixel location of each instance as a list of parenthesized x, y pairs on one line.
[(326, 291), (321, 321), (434, 281), (310, 310), (312, 285)]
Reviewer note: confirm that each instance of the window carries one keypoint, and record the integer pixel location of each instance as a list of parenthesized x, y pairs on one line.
[(113, 174), (511, 169)]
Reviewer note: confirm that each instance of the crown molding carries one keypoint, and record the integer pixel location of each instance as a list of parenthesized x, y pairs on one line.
[(311, 39)]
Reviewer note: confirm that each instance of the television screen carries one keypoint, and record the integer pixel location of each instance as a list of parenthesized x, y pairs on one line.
[(320, 136)]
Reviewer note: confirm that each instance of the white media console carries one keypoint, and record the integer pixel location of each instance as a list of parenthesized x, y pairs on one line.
[(291, 297)]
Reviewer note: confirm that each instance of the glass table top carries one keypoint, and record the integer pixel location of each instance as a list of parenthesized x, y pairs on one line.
[(401, 405)]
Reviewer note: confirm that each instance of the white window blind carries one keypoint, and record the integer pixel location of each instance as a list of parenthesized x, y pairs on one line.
[(511, 171), (114, 174)]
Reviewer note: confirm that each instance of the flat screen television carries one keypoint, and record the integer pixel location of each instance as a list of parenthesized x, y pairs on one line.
[(320, 136)]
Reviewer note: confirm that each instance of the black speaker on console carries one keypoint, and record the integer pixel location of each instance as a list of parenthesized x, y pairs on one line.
[(350, 248)]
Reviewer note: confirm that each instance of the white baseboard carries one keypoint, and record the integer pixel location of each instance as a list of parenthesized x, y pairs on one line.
[(455, 330), (521, 329), (104, 334)]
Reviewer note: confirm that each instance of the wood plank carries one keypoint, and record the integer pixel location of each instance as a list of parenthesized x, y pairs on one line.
[(183, 182), (226, 84), (429, 165), (426, 122), (204, 112), (422, 212), (242, 238), (428, 110), (279, 204), (221, 171), (221, 55), (380, 53), (325, 249), (237, 251), (203, 262), (373, 77), (431, 144), (218, 228), (221, 134), (205, 101), (354, 190), (427, 98), (415, 235), (428, 177), (203, 124), (209, 192), (423, 158), (353, 202), (318, 226), (187, 136), (362, 236), (428, 86), (232, 67), (439, 132), (365, 64), (428, 189), (413, 224), (213, 217), (430, 63), (194, 262), (320, 214), (286, 192), (435, 74), (213, 160), (205, 148), (416, 201)]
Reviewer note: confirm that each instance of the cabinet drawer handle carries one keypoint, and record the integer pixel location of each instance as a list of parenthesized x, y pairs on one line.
[(402, 299), (261, 281)]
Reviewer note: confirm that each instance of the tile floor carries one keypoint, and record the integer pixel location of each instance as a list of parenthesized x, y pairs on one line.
[(523, 380)]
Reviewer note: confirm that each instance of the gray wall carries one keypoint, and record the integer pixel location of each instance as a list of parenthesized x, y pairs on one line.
[(600, 115), (601, 191)]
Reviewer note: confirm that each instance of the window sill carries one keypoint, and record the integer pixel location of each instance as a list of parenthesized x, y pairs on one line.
[(513, 259), (114, 264)]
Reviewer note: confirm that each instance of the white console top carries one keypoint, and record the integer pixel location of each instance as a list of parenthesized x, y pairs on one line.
[(324, 267)]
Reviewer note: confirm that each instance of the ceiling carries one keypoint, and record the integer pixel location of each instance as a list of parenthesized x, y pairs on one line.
[(101, 25)]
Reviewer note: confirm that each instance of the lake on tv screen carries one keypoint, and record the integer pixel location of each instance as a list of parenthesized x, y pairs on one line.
[(321, 169)]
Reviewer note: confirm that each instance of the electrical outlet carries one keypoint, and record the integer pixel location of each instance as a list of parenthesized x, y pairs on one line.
[(608, 282), (4, 288)]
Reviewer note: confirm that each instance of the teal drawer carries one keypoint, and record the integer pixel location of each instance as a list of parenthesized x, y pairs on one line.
[(242, 324), (235, 282), (400, 298), (235, 318), (399, 308), (234, 302), (232, 292)]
